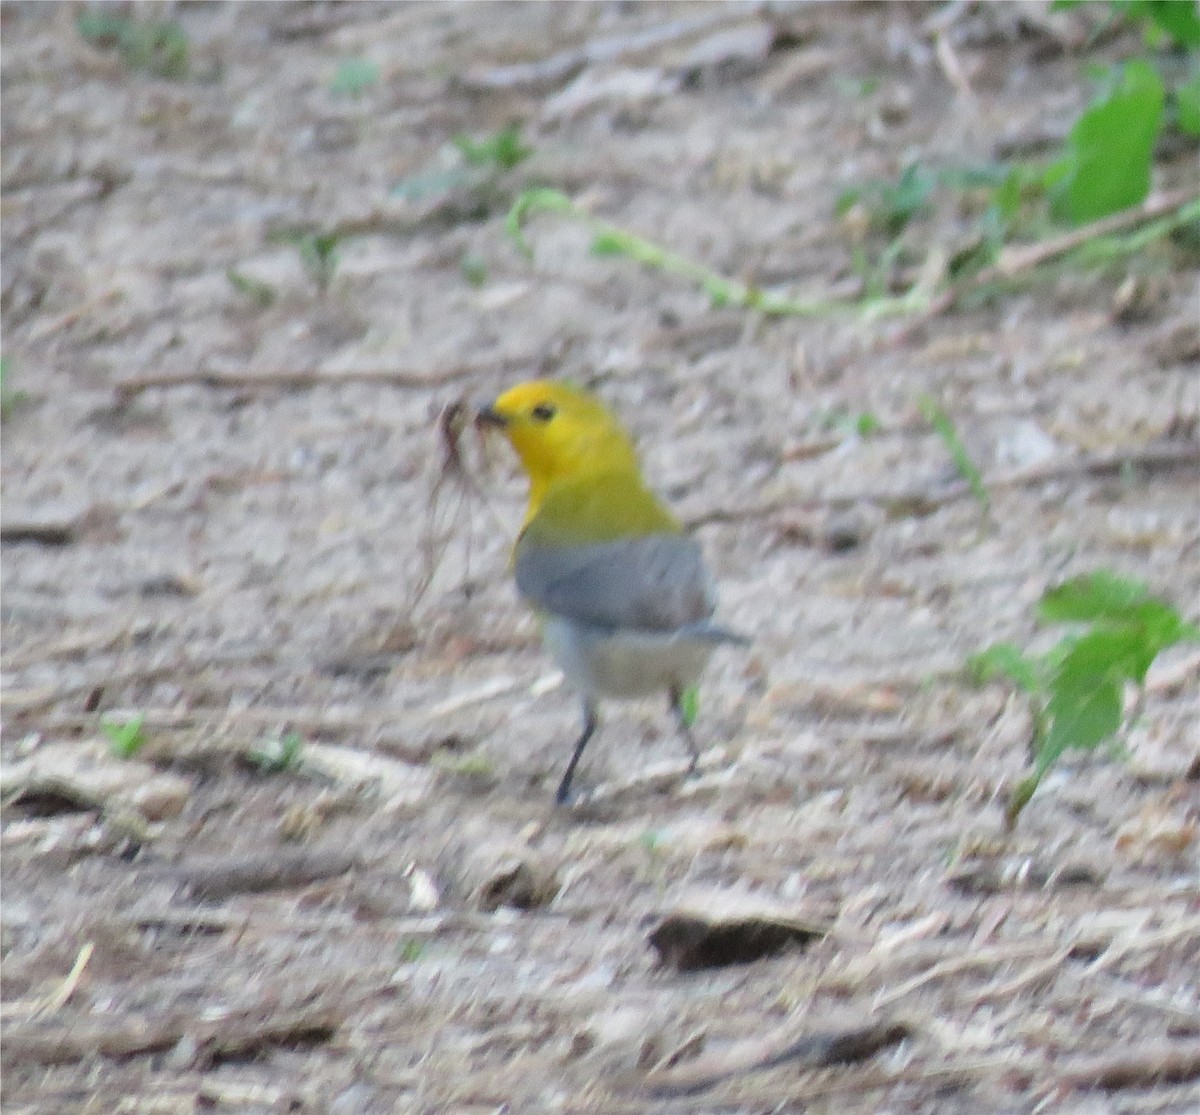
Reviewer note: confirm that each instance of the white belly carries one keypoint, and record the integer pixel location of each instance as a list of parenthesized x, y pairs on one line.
[(626, 664)]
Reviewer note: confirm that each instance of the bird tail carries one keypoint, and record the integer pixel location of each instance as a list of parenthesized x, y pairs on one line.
[(710, 632)]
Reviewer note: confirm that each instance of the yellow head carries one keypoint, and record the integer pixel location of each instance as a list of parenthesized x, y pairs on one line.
[(560, 433)]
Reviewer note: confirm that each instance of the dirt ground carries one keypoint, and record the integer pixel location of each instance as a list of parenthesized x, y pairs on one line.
[(220, 510)]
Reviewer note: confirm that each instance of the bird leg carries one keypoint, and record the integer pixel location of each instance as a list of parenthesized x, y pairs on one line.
[(589, 726), (679, 708)]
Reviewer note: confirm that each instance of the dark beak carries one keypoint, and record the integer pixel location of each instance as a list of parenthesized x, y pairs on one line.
[(486, 416)]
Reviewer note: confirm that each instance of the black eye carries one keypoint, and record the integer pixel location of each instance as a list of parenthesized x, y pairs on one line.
[(543, 412)]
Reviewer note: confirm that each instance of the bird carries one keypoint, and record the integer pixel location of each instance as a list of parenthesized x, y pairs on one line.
[(625, 600)]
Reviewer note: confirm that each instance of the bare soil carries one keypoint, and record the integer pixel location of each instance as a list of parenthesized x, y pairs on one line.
[(220, 515)]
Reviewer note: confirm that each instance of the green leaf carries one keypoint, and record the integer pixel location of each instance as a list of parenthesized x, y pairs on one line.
[(855, 87), (409, 950), (911, 194), (1005, 660), (529, 202), (1022, 792), (1093, 596), (1076, 688), (1117, 653), (1178, 18), (846, 200), (503, 150), (1110, 149), (892, 205), (611, 243), (318, 252), (354, 77), (867, 424), (689, 706), (277, 756), (480, 163), (1006, 199), (1187, 106), (1083, 711), (967, 468), (1160, 626), (125, 737), (1129, 627)]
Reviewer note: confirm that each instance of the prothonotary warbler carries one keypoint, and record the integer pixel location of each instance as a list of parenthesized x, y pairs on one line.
[(625, 601)]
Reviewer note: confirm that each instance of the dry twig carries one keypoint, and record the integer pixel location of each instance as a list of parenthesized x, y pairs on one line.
[(60, 998), (559, 68), (1009, 988), (53, 532), (287, 380), (277, 870), (1016, 259), (813, 1051), (1140, 1067), (965, 962), (240, 1033)]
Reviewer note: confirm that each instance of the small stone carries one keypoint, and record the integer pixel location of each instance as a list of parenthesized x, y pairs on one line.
[(896, 107), (1026, 445), (1137, 299), (162, 797), (844, 530), (519, 882), (718, 928), (80, 776)]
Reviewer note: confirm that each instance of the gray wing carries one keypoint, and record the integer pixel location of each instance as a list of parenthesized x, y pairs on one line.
[(655, 583)]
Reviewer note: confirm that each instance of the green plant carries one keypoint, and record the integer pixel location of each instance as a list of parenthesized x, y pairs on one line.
[(409, 950), (890, 206), (318, 252), (1177, 20), (942, 424), (609, 240), (260, 293), (1076, 689), (474, 164), (864, 424), (279, 755), (689, 705), (125, 736), (1109, 154), (503, 150), (158, 47), (1186, 106), (1104, 168), (1110, 151), (472, 765), (846, 423), (354, 77), (855, 88)]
